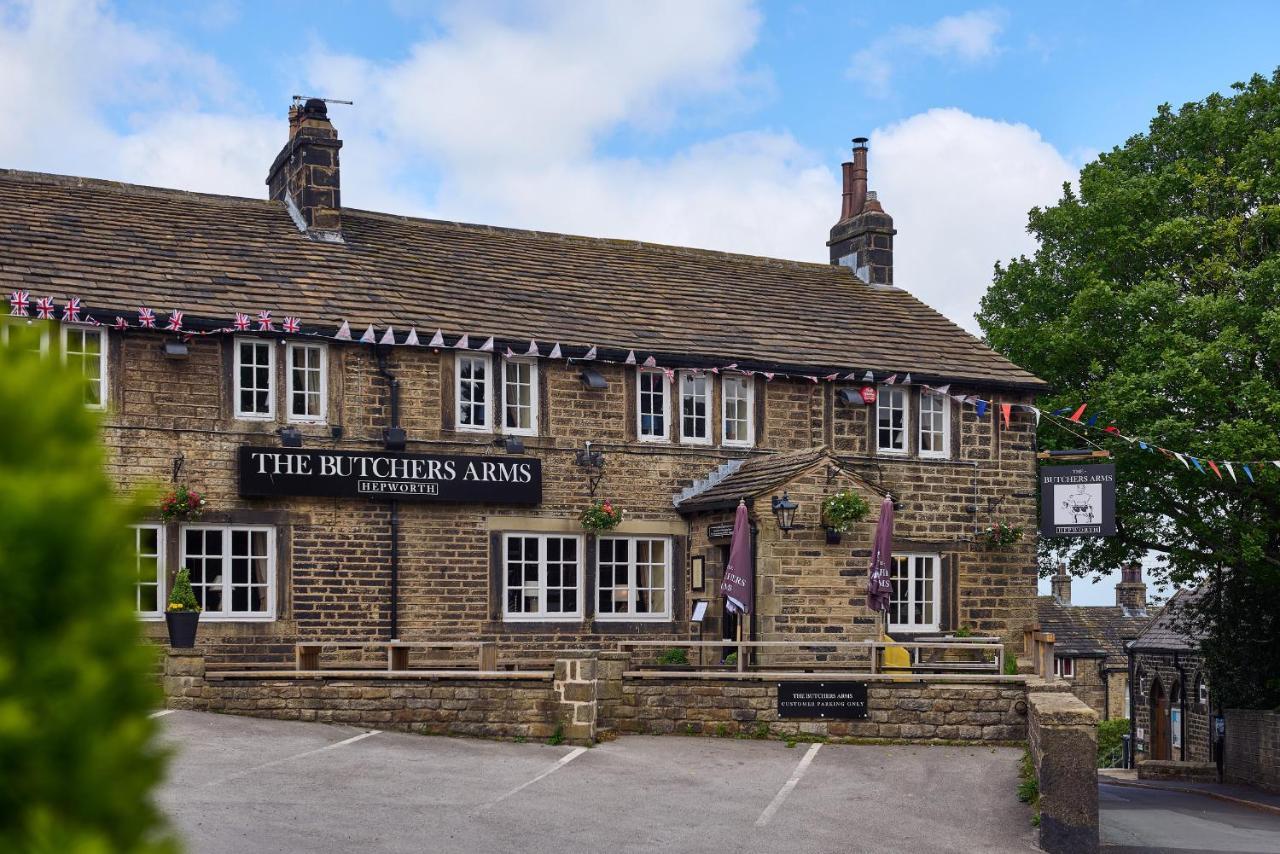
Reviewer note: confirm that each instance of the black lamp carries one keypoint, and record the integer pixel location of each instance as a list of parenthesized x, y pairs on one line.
[(785, 509), (290, 437), (175, 348), (593, 379), (510, 444)]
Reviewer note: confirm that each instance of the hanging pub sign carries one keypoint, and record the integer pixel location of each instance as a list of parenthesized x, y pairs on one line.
[(381, 474), (1078, 501)]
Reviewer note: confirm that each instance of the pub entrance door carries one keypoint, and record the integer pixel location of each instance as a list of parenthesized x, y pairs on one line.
[(1159, 721)]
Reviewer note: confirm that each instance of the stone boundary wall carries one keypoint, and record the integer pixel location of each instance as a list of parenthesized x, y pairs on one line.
[(1062, 735), (1252, 751)]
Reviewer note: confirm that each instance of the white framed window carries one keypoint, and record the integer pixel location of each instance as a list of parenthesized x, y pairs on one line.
[(695, 408), (474, 393), (737, 410), (84, 351), (913, 599), (520, 396), (935, 424), (255, 369), (308, 382), (653, 407), (233, 570), (633, 578), (542, 577), (38, 329), (893, 419), (1202, 691), (148, 556), (1063, 667)]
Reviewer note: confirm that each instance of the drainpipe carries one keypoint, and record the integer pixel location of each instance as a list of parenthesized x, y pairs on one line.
[(393, 390)]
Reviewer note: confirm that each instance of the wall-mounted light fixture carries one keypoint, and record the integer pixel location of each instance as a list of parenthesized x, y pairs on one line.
[(593, 463), (784, 509), (290, 437), (850, 397), (175, 349), (510, 444), (394, 438), (593, 379)]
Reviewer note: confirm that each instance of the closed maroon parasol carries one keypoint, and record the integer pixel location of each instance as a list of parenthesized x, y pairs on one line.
[(878, 586), (738, 581)]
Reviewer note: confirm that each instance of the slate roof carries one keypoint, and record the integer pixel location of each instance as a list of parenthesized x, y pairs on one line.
[(756, 476), (119, 246), (1162, 634), (1091, 631)]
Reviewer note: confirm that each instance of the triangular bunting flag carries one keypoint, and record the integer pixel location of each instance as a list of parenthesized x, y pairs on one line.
[(533, 349), (981, 407), (1036, 410), (437, 340), (344, 332), (813, 379), (1248, 472), (891, 379), (851, 378), (1196, 463), (768, 376), (631, 358), (487, 346), (831, 377), (943, 389), (868, 377), (463, 343), (1230, 471), (555, 352), (508, 354), (369, 337), (907, 380), (651, 362), (411, 340), (1063, 411), (591, 353), (1079, 412), (389, 337), (1093, 420), (1214, 466), (1006, 409), (1276, 463)]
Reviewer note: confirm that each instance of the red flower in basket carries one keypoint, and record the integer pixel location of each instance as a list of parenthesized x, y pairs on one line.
[(182, 505)]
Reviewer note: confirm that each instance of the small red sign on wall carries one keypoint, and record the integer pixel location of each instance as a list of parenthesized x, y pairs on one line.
[(868, 393)]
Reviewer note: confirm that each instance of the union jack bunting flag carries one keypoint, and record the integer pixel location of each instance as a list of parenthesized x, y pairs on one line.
[(291, 324), (71, 313), (19, 303), (242, 322), (146, 318), (175, 321), (265, 323), (121, 323), (44, 308)]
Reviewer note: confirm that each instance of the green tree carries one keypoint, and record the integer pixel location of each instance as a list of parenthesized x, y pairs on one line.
[(78, 756), (1154, 296)]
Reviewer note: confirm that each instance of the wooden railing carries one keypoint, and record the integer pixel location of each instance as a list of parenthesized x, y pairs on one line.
[(1037, 646), (307, 653)]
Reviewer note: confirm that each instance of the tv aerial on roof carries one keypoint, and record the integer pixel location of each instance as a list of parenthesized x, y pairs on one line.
[(298, 99)]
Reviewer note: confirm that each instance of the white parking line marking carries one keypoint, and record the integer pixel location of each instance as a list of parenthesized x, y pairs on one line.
[(560, 763), (305, 753), (787, 786), (161, 713)]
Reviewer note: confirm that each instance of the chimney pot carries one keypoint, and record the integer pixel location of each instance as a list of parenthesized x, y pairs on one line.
[(863, 238), (305, 173), (1131, 592), (1060, 584)]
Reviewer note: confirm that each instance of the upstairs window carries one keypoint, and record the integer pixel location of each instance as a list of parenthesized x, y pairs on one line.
[(35, 336), (695, 401), (892, 420), (84, 351), (652, 406), (254, 379), (520, 397), (934, 424), (913, 597), (308, 382), (737, 405), (634, 578), (474, 393)]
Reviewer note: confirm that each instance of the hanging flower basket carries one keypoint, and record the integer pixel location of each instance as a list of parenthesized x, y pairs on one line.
[(840, 512), (182, 505), (601, 516), (1001, 534)]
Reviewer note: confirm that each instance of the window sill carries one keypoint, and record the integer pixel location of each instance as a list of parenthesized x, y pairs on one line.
[(259, 419), (254, 619)]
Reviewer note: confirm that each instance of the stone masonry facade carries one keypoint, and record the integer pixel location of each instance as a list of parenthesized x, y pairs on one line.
[(1175, 679)]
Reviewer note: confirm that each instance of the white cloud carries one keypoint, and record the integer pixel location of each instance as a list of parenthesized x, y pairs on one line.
[(959, 188), (967, 38)]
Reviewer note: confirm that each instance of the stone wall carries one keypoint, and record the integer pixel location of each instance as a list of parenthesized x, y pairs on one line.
[(1181, 671), (1252, 753), (1062, 735)]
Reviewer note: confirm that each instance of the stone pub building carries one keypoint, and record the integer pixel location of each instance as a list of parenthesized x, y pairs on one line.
[(429, 486)]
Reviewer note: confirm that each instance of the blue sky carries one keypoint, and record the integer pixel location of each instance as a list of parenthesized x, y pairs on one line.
[(719, 123)]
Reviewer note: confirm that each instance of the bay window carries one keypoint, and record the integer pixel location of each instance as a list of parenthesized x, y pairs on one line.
[(308, 382), (652, 406), (84, 351), (232, 570), (695, 401), (633, 578), (541, 577), (913, 598), (520, 396), (474, 393), (737, 407), (255, 365)]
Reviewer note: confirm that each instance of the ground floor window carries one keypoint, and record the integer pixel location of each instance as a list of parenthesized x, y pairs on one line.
[(542, 577), (148, 557), (1064, 667), (633, 577), (233, 569), (913, 600)]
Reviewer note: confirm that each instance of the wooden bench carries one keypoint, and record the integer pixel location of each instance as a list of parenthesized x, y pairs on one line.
[(307, 653)]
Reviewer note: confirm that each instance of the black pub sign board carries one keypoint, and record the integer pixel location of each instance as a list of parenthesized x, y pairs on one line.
[(845, 701), (1078, 501), (381, 474)]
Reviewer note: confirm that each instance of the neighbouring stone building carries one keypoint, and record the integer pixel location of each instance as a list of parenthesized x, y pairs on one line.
[(430, 488), (1090, 640), (1171, 699)]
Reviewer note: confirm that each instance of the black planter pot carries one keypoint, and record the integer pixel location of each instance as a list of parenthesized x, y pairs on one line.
[(833, 537), (182, 628)]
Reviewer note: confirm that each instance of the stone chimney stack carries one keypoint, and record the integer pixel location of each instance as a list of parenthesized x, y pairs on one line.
[(305, 173), (1131, 592), (1061, 586), (863, 238)]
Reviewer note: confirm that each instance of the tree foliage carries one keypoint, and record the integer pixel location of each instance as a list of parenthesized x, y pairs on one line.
[(1154, 296), (78, 757)]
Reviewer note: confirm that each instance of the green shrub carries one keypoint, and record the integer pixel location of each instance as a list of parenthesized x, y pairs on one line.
[(731, 659), (182, 597), (1110, 740), (963, 632), (1010, 664), (557, 737), (78, 752), (1028, 786), (843, 510), (674, 655)]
